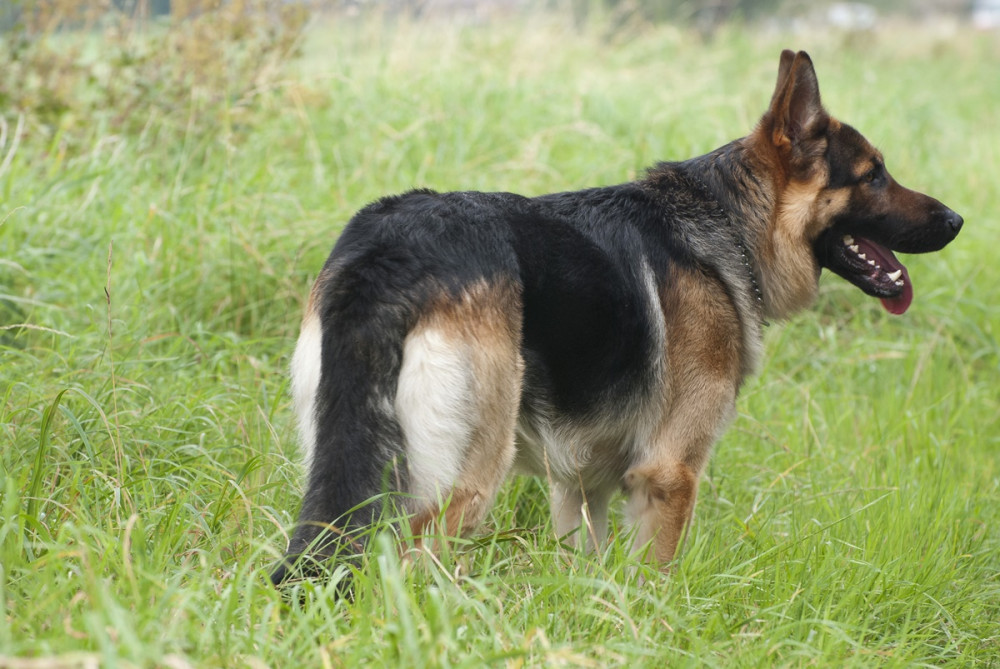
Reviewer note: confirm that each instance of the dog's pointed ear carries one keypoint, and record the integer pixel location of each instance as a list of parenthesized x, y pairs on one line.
[(796, 110), (784, 68)]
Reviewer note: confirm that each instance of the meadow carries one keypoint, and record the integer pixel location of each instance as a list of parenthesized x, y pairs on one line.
[(153, 273)]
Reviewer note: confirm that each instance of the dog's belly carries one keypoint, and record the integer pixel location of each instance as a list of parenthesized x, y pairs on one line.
[(593, 453), (594, 369)]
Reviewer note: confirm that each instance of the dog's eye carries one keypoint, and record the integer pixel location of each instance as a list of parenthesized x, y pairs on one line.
[(875, 175), (872, 175)]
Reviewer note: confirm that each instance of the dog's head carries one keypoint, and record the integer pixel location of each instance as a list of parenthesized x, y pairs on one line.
[(836, 197)]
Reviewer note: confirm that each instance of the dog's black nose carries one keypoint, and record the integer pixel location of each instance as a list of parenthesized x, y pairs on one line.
[(953, 221)]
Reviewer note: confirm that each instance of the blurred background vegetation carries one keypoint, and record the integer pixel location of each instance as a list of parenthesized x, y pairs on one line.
[(70, 66)]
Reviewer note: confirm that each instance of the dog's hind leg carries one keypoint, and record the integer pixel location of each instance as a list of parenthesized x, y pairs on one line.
[(457, 401)]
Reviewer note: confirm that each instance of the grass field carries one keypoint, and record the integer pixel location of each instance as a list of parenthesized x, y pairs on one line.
[(150, 291)]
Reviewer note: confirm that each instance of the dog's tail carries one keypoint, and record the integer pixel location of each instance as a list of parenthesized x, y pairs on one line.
[(407, 374), (344, 374)]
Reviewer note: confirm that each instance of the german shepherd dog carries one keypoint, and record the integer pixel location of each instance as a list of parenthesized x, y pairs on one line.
[(597, 338)]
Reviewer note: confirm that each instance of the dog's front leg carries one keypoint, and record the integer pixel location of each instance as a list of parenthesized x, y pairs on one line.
[(701, 374), (663, 486), (572, 507), (661, 500)]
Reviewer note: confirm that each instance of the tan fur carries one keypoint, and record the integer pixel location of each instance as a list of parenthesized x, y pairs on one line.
[(789, 144), (484, 324), (860, 168), (661, 502), (703, 374), (462, 512), (789, 271), (702, 330), (319, 287), (802, 209)]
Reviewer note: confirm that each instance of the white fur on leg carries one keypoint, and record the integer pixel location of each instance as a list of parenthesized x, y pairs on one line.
[(436, 409), (305, 382)]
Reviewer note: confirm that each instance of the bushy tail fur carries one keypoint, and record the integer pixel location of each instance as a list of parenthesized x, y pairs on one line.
[(353, 440)]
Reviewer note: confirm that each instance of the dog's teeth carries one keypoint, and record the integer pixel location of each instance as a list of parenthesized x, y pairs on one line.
[(872, 263), (853, 247), (894, 276), (899, 283), (863, 256), (848, 240)]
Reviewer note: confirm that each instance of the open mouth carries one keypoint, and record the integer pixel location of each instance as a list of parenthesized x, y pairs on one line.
[(874, 269)]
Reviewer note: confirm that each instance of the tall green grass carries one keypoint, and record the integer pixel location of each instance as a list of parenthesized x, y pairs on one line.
[(150, 290)]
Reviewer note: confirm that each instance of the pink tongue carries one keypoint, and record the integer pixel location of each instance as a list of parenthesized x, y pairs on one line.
[(898, 305), (885, 258)]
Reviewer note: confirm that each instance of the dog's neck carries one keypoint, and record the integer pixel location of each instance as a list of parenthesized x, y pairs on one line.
[(786, 271), (731, 178), (728, 177)]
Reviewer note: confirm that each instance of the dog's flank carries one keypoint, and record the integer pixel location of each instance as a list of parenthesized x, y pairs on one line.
[(597, 338)]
